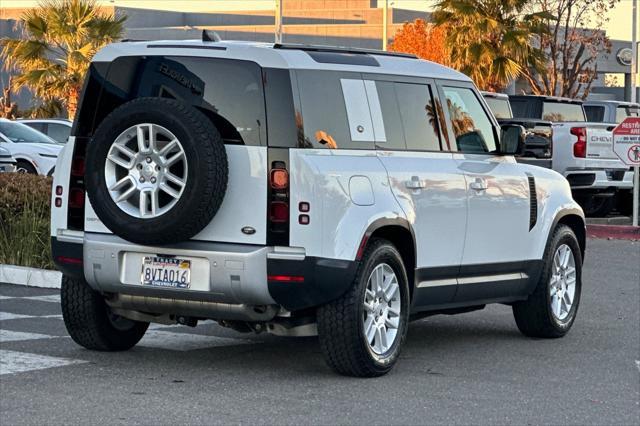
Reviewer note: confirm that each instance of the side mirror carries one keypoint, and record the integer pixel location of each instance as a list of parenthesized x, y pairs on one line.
[(512, 138)]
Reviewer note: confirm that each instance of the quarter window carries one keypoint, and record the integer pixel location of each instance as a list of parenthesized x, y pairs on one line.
[(472, 127), (324, 119)]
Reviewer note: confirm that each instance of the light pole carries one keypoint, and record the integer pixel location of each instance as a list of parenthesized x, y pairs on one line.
[(385, 13), (278, 35), (634, 72)]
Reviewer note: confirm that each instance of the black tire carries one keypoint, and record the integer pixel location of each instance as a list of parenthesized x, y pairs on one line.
[(25, 167), (596, 206), (340, 322), (206, 177), (534, 317), (90, 322)]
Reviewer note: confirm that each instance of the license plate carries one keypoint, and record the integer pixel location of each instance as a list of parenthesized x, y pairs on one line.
[(166, 272)]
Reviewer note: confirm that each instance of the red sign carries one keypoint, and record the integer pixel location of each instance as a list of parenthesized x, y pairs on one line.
[(626, 141)]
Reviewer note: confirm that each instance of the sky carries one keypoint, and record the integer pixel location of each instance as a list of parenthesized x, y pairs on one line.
[(618, 27)]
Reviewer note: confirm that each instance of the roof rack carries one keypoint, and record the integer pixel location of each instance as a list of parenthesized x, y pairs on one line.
[(340, 49)]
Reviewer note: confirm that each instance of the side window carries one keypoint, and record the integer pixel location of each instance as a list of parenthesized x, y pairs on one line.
[(419, 117), (59, 132), (594, 113), (324, 116), (41, 127), (472, 127), (390, 116)]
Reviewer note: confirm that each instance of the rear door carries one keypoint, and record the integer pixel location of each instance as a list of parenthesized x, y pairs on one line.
[(425, 181), (231, 94), (497, 240)]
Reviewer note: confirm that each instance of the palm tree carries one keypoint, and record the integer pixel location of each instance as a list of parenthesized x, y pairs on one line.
[(60, 38), (492, 41)]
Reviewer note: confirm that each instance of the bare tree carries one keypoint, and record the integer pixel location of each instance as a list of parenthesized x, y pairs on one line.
[(572, 44)]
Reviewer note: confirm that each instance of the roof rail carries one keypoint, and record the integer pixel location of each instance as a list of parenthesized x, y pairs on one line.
[(341, 49)]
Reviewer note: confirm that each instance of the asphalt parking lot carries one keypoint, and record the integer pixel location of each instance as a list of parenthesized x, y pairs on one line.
[(474, 368)]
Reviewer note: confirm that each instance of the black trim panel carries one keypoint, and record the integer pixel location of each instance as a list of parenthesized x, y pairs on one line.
[(474, 284), (69, 250), (324, 280)]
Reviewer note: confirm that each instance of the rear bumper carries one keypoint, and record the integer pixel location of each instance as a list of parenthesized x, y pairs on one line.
[(600, 179), (235, 274)]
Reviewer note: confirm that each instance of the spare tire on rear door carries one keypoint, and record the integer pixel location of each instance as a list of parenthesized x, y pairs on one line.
[(156, 171)]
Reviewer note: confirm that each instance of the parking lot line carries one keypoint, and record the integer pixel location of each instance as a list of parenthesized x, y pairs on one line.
[(19, 362)]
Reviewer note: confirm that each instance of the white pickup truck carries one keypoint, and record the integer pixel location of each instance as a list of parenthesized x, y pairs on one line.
[(610, 111), (582, 151)]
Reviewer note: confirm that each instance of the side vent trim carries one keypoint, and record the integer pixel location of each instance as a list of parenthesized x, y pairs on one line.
[(533, 202)]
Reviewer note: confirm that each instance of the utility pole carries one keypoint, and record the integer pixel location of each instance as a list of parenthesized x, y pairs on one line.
[(385, 13), (278, 21), (634, 72)]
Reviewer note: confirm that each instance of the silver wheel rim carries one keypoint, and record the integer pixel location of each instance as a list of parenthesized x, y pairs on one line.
[(146, 171), (562, 287), (381, 309)]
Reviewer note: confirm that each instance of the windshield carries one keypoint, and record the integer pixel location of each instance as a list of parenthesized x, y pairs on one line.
[(623, 112), (499, 107), (17, 132), (562, 111)]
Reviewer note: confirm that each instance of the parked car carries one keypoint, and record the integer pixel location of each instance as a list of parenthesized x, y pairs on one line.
[(301, 190), (539, 133), (610, 111), (33, 151), (7, 162), (57, 129), (582, 151)]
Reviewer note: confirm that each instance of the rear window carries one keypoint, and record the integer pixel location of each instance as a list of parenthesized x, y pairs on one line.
[(561, 111), (594, 113), (623, 112), (499, 107), (230, 92)]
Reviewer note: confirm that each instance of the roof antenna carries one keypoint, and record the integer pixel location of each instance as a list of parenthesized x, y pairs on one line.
[(210, 36)]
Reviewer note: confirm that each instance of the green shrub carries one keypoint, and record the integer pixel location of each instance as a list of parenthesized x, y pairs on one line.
[(25, 202)]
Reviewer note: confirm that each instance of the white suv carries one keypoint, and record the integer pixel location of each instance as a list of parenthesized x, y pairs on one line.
[(301, 190)]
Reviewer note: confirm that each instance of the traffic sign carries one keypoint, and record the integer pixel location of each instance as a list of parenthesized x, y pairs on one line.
[(626, 145), (626, 141)]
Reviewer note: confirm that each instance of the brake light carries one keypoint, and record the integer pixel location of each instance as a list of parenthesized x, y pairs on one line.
[(279, 212), (579, 147), (76, 198), (78, 166)]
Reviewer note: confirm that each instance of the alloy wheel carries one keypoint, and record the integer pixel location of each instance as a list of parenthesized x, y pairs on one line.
[(146, 171), (382, 307)]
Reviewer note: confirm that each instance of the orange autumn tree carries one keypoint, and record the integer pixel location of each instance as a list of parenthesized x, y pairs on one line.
[(423, 40)]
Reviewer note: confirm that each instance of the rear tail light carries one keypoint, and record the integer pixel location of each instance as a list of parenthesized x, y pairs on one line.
[(76, 191), (76, 198), (580, 146), (279, 179), (78, 166), (278, 212)]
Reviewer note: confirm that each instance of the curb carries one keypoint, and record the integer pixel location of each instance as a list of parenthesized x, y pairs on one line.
[(614, 232), (32, 277)]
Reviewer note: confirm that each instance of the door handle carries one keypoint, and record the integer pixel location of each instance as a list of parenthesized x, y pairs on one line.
[(478, 185), (415, 183)]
